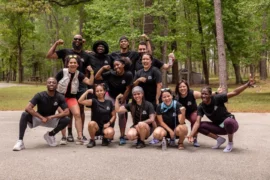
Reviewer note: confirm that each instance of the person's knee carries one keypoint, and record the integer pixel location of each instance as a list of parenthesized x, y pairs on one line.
[(131, 135), (109, 133), (66, 120), (77, 116), (26, 115), (157, 134), (141, 125), (181, 130), (92, 124)]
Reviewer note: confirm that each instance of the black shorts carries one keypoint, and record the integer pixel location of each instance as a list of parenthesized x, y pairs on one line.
[(100, 130), (151, 129), (168, 134)]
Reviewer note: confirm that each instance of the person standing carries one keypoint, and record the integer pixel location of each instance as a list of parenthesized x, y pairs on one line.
[(47, 103)]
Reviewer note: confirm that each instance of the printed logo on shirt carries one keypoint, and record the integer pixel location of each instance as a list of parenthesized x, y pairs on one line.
[(108, 108), (106, 62), (215, 108), (123, 82), (55, 103), (149, 77), (144, 112), (82, 59), (189, 103), (174, 114)]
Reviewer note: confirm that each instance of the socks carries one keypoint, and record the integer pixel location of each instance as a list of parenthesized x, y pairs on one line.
[(220, 141), (195, 143), (229, 147), (52, 133), (69, 130)]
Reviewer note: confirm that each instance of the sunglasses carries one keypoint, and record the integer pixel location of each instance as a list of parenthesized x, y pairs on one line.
[(165, 89), (77, 39), (72, 56)]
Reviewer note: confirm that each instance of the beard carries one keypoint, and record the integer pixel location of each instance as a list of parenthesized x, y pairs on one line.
[(77, 48)]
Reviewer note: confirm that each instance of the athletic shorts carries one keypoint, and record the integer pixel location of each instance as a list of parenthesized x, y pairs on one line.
[(71, 102), (151, 130)]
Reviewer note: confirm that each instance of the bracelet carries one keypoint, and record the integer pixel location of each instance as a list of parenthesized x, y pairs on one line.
[(92, 72)]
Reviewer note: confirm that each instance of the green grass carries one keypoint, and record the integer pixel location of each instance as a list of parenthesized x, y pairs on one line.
[(251, 100)]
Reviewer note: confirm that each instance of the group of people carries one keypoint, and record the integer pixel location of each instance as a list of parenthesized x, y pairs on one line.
[(105, 83)]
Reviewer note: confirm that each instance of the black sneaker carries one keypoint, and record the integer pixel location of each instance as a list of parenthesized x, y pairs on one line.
[(91, 143), (105, 142), (70, 138), (140, 145)]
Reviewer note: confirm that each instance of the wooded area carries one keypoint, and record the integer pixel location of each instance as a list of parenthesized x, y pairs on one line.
[(195, 29)]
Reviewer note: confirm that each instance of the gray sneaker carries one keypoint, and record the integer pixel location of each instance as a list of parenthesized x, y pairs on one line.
[(18, 146), (63, 141)]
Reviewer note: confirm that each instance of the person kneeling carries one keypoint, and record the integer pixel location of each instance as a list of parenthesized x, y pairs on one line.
[(47, 103), (171, 119), (143, 115)]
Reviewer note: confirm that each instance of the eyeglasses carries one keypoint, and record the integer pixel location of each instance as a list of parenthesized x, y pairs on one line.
[(77, 39), (72, 56), (165, 89)]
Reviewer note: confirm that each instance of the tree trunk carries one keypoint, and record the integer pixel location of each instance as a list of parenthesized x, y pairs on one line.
[(164, 32), (220, 45), (203, 52), (19, 58), (263, 61), (175, 76), (148, 25)]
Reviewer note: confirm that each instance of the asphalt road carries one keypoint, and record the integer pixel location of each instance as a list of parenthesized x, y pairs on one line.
[(248, 160)]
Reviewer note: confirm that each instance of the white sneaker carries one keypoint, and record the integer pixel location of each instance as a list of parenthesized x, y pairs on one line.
[(18, 146), (50, 139), (228, 148), (79, 141), (63, 141), (220, 141)]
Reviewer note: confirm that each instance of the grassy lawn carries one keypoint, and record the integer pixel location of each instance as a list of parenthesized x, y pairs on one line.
[(251, 100)]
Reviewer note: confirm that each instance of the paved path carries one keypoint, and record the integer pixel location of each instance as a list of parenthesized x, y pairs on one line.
[(250, 159), (4, 85)]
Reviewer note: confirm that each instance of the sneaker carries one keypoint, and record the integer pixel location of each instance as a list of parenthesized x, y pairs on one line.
[(220, 141), (172, 142), (195, 143), (85, 141), (91, 143), (228, 148), (79, 141), (18, 146), (50, 139), (140, 145), (70, 138), (105, 142), (154, 141), (63, 141), (122, 141)]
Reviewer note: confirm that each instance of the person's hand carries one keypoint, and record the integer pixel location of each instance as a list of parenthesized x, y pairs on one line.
[(190, 139), (171, 58), (171, 134), (106, 67), (44, 119), (119, 96), (145, 37), (89, 68), (251, 80), (183, 110), (142, 79), (220, 89), (106, 125), (59, 42), (90, 91), (49, 118)]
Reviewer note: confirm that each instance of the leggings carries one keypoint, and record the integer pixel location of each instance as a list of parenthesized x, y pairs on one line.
[(230, 127), (192, 118), (26, 117), (121, 116)]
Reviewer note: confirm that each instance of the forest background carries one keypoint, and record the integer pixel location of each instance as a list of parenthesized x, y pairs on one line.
[(29, 28)]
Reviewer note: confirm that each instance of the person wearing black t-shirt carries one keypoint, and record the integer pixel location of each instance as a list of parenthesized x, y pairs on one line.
[(47, 103), (171, 119), (143, 115), (103, 115), (223, 122), (68, 84), (119, 81), (85, 62)]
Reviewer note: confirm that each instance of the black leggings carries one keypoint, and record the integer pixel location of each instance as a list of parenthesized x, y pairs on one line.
[(26, 117)]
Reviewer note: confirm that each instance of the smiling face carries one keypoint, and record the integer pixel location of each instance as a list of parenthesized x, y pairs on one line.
[(118, 67), (142, 49), (182, 88), (100, 91), (146, 61), (51, 84), (206, 96), (100, 49), (77, 42), (72, 65), (166, 98), (124, 44), (138, 96)]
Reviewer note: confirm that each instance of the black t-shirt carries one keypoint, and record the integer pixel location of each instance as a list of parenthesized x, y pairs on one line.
[(47, 105), (85, 58), (98, 61), (216, 110), (101, 111), (189, 102), (156, 63), (60, 75), (171, 116), (153, 76), (142, 112), (132, 55), (117, 84)]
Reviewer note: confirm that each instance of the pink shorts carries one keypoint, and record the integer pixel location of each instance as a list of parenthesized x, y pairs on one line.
[(71, 102)]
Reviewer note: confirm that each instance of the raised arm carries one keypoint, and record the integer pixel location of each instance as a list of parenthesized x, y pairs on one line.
[(51, 53), (89, 81), (159, 86), (86, 102), (100, 71), (241, 88), (118, 107), (148, 44), (182, 116), (126, 93)]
